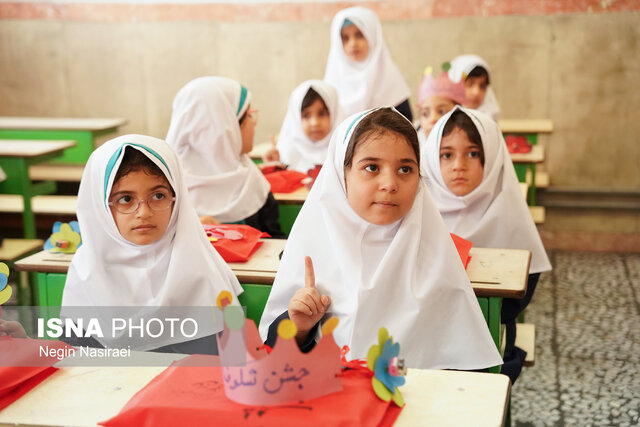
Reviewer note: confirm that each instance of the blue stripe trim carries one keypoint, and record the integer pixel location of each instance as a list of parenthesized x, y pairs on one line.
[(243, 98), (114, 159), (353, 123)]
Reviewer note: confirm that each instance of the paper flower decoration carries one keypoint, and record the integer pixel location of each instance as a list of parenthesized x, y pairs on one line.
[(65, 238), (5, 290), (388, 370)]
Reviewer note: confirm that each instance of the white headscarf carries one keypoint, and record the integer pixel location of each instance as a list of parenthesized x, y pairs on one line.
[(205, 133), (463, 65), (494, 214), (406, 276), (295, 147), (374, 82), (179, 269)]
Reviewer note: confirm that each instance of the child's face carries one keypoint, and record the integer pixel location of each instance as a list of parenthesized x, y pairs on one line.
[(354, 43), (475, 88), (144, 225), (460, 163), (432, 109), (248, 130), (383, 178), (316, 122)]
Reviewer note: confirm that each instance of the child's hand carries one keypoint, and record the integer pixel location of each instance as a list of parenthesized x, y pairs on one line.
[(307, 306), (272, 155), (14, 329), (206, 219)]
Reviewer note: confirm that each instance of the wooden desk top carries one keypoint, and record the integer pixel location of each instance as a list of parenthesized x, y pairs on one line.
[(60, 123), (525, 125), (14, 248), (47, 204), (31, 148), (84, 396), (46, 172), (294, 198), (493, 272), (536, 155)]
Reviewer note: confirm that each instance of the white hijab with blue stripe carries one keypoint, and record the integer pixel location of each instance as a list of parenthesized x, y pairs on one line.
[(405, 276), (179, 269), (205, 133), (494, 214), (374, 82)]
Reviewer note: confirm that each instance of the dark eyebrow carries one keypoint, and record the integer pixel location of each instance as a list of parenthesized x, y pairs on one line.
[(157, 187), (376, 159)]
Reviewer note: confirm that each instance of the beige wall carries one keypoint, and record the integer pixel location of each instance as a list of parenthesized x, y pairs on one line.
[(580, 70)]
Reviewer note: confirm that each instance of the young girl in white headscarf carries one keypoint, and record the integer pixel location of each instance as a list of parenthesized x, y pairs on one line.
[(212, 129), (470, 175), (369, 247), (312, 116), (360, 65), (476, 75), (142, 242)]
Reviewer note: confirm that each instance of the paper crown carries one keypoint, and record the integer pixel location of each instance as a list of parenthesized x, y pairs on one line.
[(285, 374), (441, 86)]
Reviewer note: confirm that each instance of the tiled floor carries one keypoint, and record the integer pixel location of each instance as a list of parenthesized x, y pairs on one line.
[(587, 371)]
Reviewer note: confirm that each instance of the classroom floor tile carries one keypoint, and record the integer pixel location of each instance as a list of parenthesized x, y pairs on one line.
[(587, 317)]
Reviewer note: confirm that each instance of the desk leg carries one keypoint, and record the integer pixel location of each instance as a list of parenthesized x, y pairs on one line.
[(495, 305)]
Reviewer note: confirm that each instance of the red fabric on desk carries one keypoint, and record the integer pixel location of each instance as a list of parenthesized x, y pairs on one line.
[(194, 396), (239, 250), (22, 367), (286, 181), (463, 246), (15, 382)]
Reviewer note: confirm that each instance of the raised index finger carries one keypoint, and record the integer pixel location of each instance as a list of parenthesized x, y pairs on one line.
[(309, 276)]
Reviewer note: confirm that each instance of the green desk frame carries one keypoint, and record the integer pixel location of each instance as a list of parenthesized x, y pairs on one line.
[(18, 182), (75, 155), (287, 215), (522, 168)]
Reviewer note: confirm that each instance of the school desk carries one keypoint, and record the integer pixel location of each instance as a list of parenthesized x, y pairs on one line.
[(494, 274), (526, 165), (289, 205), (83, 131), (16, 156), (84, 396)]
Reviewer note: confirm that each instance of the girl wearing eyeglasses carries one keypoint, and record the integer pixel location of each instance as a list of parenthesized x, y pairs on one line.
[(143, 244)]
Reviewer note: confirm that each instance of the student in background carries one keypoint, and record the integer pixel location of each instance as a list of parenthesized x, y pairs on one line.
[(360, 65), (370, 248), (470, 175), (436, 97), (142, 243), (212, 129), (312, 116), (476, 75)]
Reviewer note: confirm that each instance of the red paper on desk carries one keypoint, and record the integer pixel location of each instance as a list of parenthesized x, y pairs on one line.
[(194, 396), (22, 367), (286, 181), (463, 246), (234, 242)]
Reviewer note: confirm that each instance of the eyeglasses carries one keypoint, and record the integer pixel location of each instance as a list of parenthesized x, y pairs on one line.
[(157, 201)]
